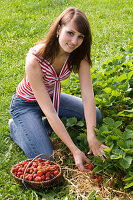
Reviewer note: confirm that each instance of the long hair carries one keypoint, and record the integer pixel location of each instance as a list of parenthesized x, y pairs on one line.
[(50, 48)]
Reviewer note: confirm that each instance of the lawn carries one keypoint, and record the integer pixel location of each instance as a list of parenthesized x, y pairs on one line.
[(23, 23)]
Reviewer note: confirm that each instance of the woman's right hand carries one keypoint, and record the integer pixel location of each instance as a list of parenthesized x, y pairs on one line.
[(80, 158)]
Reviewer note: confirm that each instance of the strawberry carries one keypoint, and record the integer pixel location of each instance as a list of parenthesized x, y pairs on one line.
[(47, 178), (38, 179), (30, 177), (96, 180), (100, 178), (93, 175), (40, 173), (43, 178), (40, 159), (34, 176), (19, 173), (34, 170), (52, 176), (90, 166), (39, 167), (56, 172), (34, 164), (28, 170), (54, 166), (44, 170), (47, 162), (47, 174), (14, 170), (21, 176)]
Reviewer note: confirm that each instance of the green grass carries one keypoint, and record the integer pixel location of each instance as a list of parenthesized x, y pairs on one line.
[(22, 24)]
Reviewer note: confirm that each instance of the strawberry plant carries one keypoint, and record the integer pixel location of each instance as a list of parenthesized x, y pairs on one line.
[(114, 95)]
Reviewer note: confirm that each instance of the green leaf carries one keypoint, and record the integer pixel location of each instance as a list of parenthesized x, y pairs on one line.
[(98, 169), (98, 198), (83, 135), (122, 77), (107, 90), (129, 185), (71, 121), (115, 157), (130, 143), (127, 150), (112, 138), (80, 123), (109, 149), (115, 93), (128, 179), (128, 133), (92, 195), (108, 121), (125, 162), (117, 124)]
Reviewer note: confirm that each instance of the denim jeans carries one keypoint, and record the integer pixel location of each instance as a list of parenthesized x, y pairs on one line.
[(30, 129)]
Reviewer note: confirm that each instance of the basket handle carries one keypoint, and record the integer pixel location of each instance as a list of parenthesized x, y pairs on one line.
[(30, 164)]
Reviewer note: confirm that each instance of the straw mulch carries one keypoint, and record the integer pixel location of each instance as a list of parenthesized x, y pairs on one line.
[(80, 183)]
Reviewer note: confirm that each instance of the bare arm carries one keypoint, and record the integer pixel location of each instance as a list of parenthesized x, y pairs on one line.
[(35, 77), (89, 108)]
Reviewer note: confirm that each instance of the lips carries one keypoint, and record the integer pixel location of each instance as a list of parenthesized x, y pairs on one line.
[(71, 46)]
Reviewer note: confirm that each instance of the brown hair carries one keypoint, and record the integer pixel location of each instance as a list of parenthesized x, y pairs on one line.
[(51, 45)]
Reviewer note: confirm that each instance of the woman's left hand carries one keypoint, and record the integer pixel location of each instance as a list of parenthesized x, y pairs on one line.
[(96, 147)]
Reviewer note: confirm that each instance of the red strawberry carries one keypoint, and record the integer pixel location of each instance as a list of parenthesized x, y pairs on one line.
[(52, 176), (28, 170), (56, 172), (21, 176), (47, 174), (30, 177), (40, 173), (39, 167), (47, 162), (43, 178), (47, 178), (54, 166), (35, 170), (40, 159), (93, 175), (90, 166), (38, 179), (35, 164), (44, 170), (34, 176), (100, 178), (96, 180), (14, 170), (19, 173)]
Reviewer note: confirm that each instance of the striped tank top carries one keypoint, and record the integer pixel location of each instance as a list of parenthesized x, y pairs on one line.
[(51, 80)]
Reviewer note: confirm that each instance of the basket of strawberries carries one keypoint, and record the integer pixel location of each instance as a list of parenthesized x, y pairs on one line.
[(37, 173)]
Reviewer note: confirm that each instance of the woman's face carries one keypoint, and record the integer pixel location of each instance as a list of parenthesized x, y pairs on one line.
[(69, 38)]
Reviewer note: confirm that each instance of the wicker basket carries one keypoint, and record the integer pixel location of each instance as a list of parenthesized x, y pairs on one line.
[(39, 185)]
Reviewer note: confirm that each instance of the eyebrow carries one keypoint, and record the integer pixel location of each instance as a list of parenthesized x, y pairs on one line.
[(75, 32)]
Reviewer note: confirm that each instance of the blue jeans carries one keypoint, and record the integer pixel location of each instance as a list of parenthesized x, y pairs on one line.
[(31, 131)]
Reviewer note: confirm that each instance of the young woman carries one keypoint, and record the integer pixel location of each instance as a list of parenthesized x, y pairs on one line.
[(66, 48)]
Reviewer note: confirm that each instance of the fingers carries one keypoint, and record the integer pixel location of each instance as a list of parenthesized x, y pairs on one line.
[(104, 146), (87, 160), (90, 152), (80, 162), (82, 168), (99, 151)]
